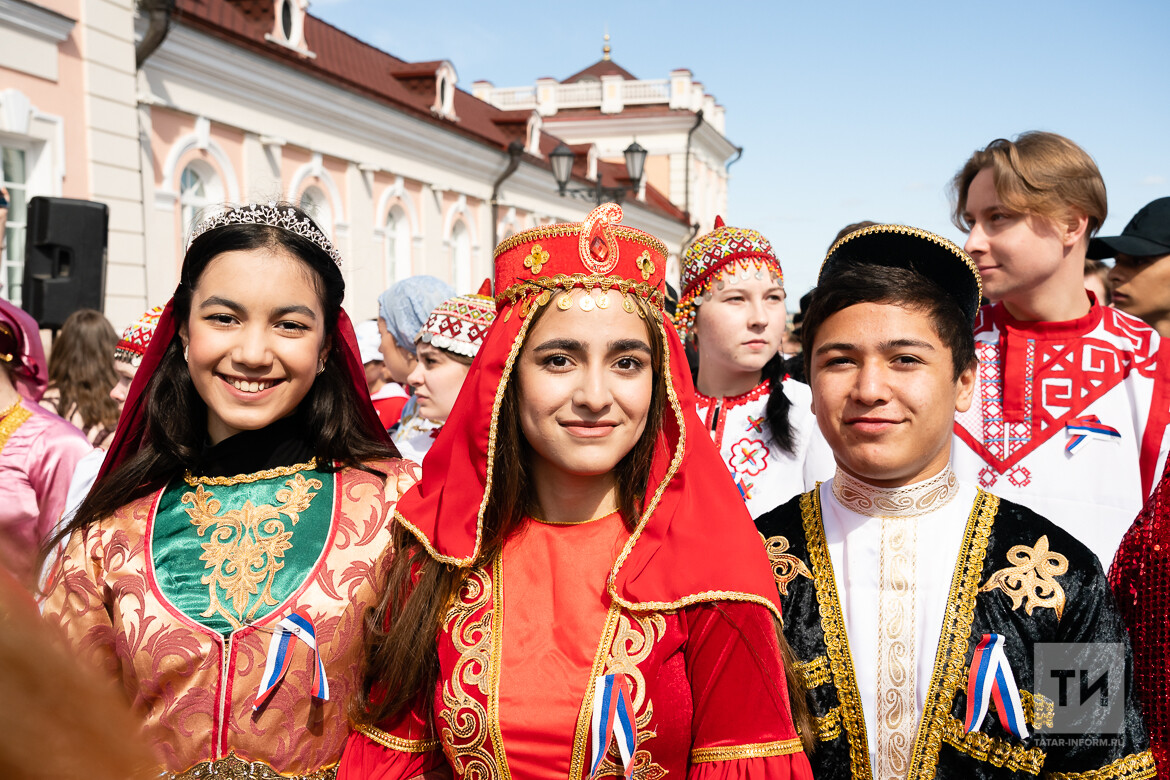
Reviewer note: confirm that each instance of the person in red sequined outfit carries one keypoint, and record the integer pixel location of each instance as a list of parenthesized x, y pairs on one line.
[(1140, 577)]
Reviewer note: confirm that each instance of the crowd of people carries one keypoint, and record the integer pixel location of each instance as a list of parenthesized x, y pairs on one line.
[(571, 525)]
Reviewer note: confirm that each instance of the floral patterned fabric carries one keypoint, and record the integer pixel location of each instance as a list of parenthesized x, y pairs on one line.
[(192, 686)]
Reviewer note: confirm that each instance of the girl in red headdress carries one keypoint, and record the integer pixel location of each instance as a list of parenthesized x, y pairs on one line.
[(557, 604), (732, 312), (219, 568)]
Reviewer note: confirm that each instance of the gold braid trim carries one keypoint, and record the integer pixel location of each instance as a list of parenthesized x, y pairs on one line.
[(836, 640), (1038, 709), (911, 231), (13, 417), (829, 726), (549, 284), (949, 675), (781, 747), (995, 751), (815, 672), (240, 479), (1135, 766), (573, 229), (232, 767), (584, 717), (496, 664), (387, 740)]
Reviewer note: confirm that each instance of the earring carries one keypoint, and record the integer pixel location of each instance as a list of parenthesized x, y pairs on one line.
[(320, 366), (186, 354)]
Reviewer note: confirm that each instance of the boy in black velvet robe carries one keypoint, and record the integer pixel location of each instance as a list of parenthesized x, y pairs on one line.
[(942, 632)]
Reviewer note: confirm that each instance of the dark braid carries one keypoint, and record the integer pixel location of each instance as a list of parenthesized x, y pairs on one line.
[(776, 410)]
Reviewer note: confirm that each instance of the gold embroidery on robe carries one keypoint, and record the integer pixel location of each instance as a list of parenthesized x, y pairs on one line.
[(785, 566), (465, 720), (246, 546), (633, 641), (1030, 582)]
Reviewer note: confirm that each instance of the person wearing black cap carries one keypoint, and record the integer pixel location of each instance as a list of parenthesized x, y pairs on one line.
[(909, 594), (1073, 399), (1141, 265)]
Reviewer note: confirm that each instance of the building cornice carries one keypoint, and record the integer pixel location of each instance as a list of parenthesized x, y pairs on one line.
[(311, 107), (644, 126), (36, 20), (372, 133)]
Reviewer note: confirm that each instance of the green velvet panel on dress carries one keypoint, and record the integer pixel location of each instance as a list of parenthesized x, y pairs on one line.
[(226, 555)]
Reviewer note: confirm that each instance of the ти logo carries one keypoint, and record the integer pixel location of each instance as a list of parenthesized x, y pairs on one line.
[(1084, 685)]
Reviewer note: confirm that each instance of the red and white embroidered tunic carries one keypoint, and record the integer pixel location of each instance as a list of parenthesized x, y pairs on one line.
[(1040, 386), (765, 474)]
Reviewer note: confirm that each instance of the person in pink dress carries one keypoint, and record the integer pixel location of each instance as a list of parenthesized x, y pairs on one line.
[(38, 450)]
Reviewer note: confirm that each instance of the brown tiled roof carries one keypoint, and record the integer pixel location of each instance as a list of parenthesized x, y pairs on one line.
[(361, 68), (598, 69)]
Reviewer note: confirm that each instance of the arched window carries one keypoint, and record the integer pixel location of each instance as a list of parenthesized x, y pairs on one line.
[(316, 205), (199, 187), (14, 176), (461, 258), (397, 234)]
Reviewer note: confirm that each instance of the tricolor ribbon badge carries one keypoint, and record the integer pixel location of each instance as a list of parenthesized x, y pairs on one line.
[(991, 677), (300, 626), (613, 714), (1088, 427)]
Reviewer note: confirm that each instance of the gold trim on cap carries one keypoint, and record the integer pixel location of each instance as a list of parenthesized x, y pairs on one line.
[(907, 230)]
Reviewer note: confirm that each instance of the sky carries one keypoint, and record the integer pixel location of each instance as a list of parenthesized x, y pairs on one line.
[(846, 110)]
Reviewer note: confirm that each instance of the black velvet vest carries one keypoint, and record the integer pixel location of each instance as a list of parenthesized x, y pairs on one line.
[(990, 593)]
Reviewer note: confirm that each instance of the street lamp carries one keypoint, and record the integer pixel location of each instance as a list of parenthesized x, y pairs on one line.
[(562, 159)]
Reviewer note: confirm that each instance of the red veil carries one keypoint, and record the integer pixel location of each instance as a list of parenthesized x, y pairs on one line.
[(695, 540)]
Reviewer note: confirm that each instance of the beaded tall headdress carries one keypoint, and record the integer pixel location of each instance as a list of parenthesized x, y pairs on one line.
[(276, 215), (716, 259)]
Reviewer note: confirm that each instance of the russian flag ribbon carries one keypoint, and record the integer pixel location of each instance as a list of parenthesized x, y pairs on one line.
[(613, 714), (300, 626), (991, 677), (1082, 429)]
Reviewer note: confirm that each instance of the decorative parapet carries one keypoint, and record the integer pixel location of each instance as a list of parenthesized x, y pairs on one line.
[(610, 95)]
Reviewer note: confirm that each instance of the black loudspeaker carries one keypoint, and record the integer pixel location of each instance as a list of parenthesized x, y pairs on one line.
[(64, 258)]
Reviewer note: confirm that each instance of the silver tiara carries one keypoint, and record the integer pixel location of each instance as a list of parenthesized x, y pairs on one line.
[(270, 214)]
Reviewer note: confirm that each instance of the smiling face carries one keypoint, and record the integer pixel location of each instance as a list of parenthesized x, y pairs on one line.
[(436, 380), (585, 381), (253, 346), (740, 328), (884, 393)]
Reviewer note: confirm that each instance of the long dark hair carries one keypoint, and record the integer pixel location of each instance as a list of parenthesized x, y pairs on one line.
[(176, 416), (401, 658), (81, 368)]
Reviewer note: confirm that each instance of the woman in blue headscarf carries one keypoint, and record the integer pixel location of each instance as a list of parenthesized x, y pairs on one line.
[(402, 311)]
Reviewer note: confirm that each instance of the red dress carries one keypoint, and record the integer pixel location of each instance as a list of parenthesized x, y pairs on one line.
[(519, 651)]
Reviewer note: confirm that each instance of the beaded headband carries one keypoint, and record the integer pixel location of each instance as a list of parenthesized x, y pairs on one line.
[(721, 257), (283, 217)]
